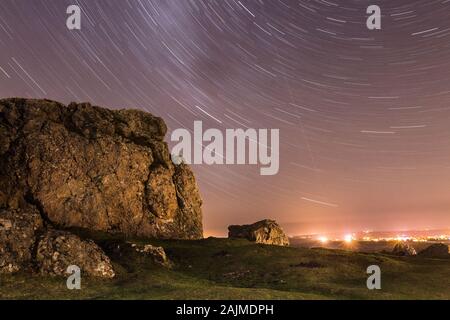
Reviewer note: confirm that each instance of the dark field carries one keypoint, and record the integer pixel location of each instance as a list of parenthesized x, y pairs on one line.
[(237, 269)]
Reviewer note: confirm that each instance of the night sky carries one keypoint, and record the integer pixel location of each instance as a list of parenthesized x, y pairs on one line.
[(364, 115)]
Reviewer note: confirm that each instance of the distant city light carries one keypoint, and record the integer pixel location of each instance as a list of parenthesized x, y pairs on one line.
[(348, 238), (354, 237), (323, 239)]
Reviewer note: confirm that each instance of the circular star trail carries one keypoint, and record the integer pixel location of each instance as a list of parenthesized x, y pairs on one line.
[(363, 114)]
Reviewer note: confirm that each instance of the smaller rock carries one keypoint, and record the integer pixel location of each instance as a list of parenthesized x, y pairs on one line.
[(57, 250), (157, 253), (403, 249), (437, 250), (265, 231)]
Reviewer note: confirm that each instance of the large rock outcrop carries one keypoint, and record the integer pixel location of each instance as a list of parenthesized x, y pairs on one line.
[(93, 168), (265, 231)]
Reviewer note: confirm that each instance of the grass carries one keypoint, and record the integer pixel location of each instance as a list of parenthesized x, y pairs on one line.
[(238, 269)]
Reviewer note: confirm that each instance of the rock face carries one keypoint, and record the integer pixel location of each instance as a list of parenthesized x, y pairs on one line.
[(58, 250), (437, 250), (18, 233), (88, 167), (265, 231), (404, 249)]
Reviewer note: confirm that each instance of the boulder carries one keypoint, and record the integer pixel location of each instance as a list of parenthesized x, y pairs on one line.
[(19, 230), (88, 167), (265, 231), (403, 249), (156, 253), (436, 250), (28, 243), (57, 250)]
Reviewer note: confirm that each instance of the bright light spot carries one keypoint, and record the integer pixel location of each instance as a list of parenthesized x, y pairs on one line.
[(401, 238), (323, 239), (348, 238)]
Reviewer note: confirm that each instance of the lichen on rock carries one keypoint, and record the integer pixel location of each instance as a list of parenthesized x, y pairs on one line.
[(94, 168), (156, 253), (18, 232), (57, 250)]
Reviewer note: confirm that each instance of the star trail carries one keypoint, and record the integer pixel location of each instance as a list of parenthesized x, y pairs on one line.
[(364, 115)]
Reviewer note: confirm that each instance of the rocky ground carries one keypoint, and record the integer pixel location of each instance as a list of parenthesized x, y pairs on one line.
[(239, 269)]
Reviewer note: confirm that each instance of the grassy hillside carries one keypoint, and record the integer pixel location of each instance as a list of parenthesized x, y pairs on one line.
[(238, 269)]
